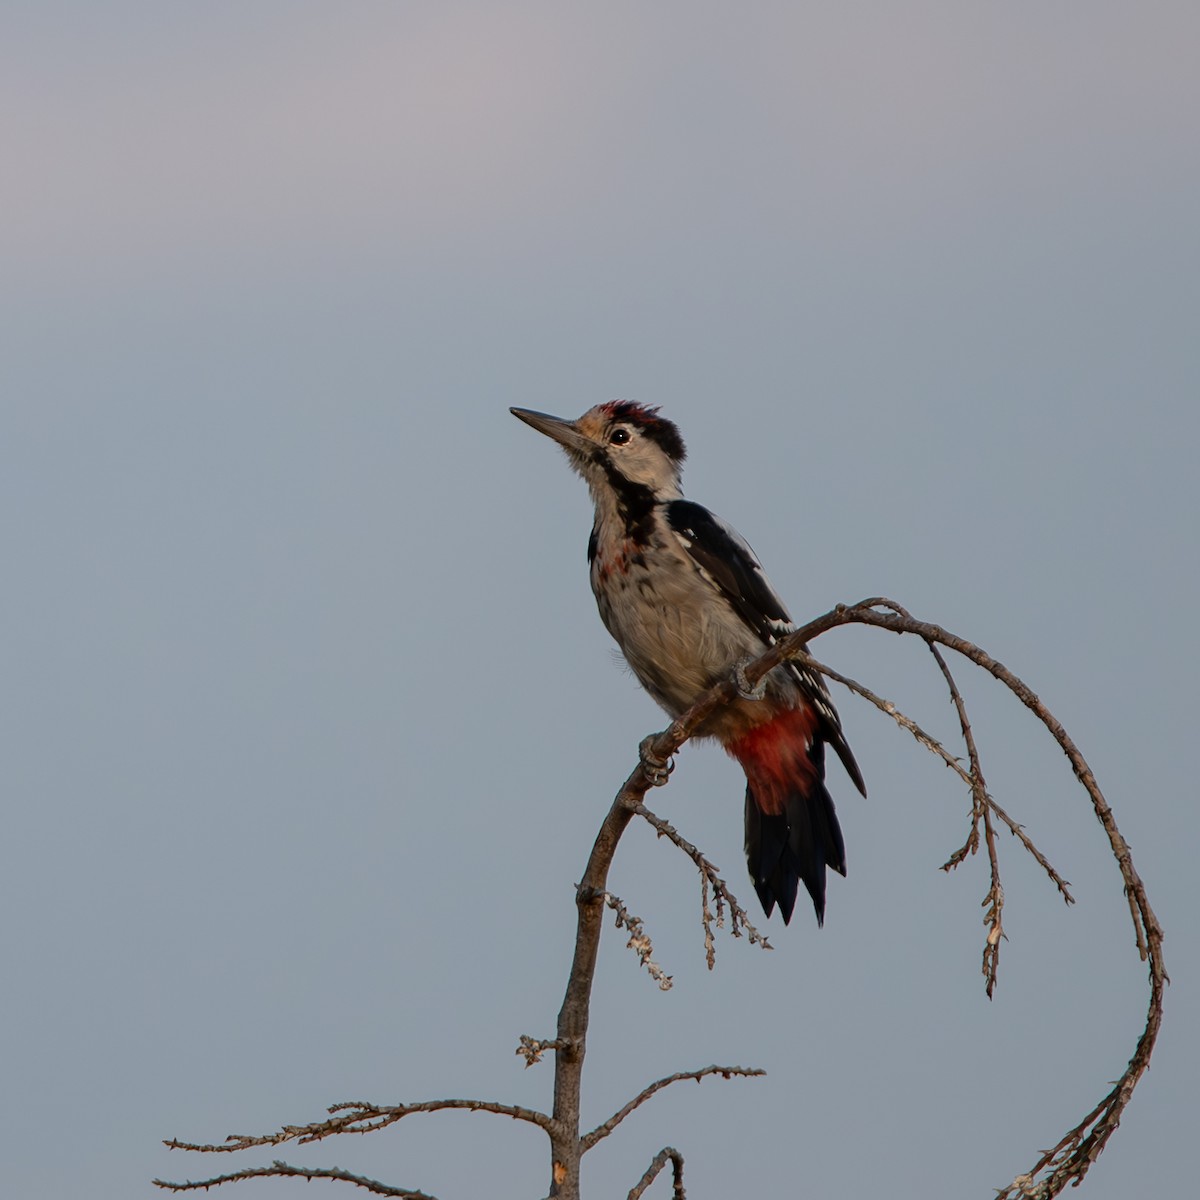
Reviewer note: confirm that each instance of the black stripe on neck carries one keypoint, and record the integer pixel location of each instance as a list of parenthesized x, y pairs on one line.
[(635, 502)]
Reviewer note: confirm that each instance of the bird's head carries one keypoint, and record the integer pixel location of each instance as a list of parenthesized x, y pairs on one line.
[(618, 445)]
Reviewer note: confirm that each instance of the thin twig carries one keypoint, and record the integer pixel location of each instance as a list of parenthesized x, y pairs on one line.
[(738, 920), (980, 814), (706, 922), (639, 941), (981, 811), (935, 747), (602, 1131)]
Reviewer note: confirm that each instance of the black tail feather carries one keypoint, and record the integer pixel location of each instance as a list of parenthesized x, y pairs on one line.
[(797, 844)]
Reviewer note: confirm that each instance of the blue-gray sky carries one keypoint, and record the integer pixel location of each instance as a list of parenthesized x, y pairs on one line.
[(309, 719)]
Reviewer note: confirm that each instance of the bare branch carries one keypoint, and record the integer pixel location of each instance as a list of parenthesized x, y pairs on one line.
[(639, 941), (574, 1015), (356, 1117), (935, 747), (1078, 1149), (667, 1154), (981, 812), (602, 1131), (281, 1169), (707, 919), (738, 920), (1070, 1159), (1067, 1162)]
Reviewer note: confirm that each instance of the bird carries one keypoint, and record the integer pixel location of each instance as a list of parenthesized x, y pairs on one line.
[(688, 603)]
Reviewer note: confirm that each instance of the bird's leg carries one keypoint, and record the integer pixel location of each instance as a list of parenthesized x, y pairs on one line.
[(657, 770), (745, 689)]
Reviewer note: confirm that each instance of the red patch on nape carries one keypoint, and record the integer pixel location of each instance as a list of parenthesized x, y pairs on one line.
[(632, 411), (774, 756), (658, 429)]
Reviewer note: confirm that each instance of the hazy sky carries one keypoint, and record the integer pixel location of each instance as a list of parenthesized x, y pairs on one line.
[(309, 718)]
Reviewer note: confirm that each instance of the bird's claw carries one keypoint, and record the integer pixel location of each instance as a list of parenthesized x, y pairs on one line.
[(656, 770), (745, 689)]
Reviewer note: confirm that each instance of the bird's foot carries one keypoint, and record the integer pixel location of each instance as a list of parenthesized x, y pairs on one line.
[(745, 689), (657, 770)]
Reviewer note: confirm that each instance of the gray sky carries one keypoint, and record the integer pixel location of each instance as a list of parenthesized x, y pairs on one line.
[(309, 718)]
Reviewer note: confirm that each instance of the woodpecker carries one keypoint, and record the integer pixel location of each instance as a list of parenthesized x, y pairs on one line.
[(686, 600)]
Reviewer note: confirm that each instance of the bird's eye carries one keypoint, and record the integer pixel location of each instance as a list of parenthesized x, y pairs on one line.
[(619, 437)]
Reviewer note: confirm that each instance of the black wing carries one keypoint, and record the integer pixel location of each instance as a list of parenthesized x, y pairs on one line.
[(726, 559)]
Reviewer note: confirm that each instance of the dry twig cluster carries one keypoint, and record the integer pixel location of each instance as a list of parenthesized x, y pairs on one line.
[(1066, 1162)]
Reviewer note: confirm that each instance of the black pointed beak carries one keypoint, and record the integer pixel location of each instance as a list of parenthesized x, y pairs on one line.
[(565, 433)]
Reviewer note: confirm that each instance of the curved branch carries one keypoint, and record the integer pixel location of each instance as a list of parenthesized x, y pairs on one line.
[(357, 1117), (602, 1131), (1069, 1160), (283, 1170), (665, 1155)]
